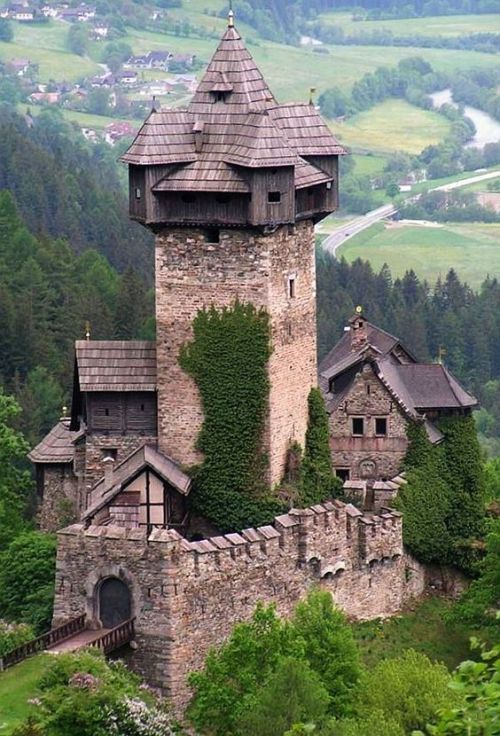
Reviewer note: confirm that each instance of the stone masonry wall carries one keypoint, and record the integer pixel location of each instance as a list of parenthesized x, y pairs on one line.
[(254, 267), (60, 503), (95, 450), (368, 457), (188, 595)]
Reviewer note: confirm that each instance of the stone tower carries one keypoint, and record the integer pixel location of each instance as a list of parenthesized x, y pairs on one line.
[(232, 187)]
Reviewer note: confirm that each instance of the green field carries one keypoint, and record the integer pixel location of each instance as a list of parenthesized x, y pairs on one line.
[(46, 45), (441, 25), (472, 249), (17, 686), (393, 125)]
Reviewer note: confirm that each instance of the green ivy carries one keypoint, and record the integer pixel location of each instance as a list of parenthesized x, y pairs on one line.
[(443, 502), (227, 358), (317, 479)]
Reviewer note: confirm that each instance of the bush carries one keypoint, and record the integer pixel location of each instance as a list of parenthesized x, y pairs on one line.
[(13, 635), (410, 690), (27, 571), (83, 694)]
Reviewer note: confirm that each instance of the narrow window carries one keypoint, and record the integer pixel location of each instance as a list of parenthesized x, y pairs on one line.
[(368, 389), (381, 426), (106, 412), (142, 407), (358, 426), (291, 287), (137, 192), (212, 235), (274, 197)]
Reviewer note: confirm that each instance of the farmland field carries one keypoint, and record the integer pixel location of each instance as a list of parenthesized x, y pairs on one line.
[(441, 25), (393, 125), (472, 249)]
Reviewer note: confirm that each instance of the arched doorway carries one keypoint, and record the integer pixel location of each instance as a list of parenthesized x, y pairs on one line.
[(114, 602)]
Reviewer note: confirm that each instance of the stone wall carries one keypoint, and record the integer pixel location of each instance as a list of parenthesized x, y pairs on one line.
[(368, 457), (60, 502), (254, 267), (95, 451), (188, 595)]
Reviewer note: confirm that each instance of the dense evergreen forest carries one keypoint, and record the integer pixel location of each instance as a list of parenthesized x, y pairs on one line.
[(65, 187)]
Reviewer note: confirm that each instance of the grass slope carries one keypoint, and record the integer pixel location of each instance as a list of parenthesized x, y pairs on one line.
[(424, 629), (393, 125), (442, 25), (46, 45), (17, 685), (472, 249)]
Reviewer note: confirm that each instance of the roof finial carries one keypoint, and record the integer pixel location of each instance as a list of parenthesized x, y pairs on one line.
[(87, 330), (230, 17), (312, 91), (441, 353)]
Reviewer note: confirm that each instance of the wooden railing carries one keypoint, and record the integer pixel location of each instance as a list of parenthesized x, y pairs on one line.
[(116, 638), (45, 641)]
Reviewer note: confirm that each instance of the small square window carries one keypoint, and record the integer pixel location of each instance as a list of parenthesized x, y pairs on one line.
[(213, 235), (291, 287), (274, 197), (343, 473), (358, 426), (381, 426)]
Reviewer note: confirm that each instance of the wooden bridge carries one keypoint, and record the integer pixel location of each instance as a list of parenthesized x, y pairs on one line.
[(70, 637)]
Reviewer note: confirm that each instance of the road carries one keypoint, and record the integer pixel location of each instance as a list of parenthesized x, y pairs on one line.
[(348, 230)]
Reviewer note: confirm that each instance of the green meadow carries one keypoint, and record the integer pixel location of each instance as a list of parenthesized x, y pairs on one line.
[(441, 25), (472, 249)]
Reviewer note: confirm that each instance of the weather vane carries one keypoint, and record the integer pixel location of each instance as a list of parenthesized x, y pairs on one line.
[(359, 309)]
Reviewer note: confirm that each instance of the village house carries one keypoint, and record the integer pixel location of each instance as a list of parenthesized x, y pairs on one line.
[(117, 130), (373, 388), (232, 187)]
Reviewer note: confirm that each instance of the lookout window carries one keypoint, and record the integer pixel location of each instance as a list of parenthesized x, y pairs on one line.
[(358, 426), (274, 197), (137, 192), (213, 235), (291, 287), (381, 426)]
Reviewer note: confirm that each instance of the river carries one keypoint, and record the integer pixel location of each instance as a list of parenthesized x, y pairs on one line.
[(487, 128)]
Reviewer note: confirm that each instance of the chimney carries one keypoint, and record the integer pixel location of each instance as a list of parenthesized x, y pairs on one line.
[(357, 324), (109, 467), (198, 128)]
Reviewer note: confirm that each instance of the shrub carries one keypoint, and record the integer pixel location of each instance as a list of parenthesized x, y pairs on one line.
[(13, 635), (27, 571), (317, 479)]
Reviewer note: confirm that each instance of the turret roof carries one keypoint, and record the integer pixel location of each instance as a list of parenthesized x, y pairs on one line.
[(232, 121)]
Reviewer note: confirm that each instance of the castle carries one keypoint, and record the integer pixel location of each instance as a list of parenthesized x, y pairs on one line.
[(232, 188)]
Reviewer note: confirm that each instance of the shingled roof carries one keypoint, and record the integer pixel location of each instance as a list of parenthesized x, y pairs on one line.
[(57, 447), (247, 128), (118, 365), (145, 457)]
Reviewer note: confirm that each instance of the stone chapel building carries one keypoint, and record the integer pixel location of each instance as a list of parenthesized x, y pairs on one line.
[(232, 187)]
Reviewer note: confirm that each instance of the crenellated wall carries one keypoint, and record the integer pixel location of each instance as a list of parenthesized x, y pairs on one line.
[(188, 595)]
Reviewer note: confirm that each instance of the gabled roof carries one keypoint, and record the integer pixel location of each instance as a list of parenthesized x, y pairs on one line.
[(203, 176), (116, 365), (425, 386), (305, 130), (57, 447), (145, 457), (341, 356), (259, 142)]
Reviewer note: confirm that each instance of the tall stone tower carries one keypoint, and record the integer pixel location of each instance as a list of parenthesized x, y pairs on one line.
[(232, 187)]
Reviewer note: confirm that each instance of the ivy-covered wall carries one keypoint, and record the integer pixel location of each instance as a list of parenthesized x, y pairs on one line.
[(443, 501), (227, 358)]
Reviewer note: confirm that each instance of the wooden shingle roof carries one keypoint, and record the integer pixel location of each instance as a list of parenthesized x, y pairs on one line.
[(57, 447), (233, 120), (116, 365)]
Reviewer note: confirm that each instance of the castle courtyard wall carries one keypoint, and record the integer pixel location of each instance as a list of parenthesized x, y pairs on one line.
[(188, 595)]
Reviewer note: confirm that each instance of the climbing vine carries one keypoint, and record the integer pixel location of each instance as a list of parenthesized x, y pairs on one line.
[(443, 501), (317, 481), (227, 358)]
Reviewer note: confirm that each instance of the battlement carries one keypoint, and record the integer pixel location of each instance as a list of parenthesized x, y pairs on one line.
[(326, 537)]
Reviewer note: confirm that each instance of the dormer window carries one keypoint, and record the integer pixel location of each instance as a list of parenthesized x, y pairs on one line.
[(220, 95)]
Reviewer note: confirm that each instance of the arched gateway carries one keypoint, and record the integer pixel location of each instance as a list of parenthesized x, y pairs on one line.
[(114, 602)]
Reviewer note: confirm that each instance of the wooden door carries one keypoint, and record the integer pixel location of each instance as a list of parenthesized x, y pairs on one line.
[(114, 603)]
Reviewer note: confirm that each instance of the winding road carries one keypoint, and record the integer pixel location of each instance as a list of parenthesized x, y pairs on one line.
[(348, 230)]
